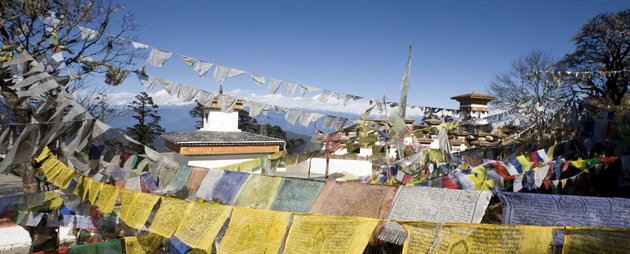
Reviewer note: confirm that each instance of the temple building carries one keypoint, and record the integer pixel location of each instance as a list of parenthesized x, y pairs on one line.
[(473, 104), (220, 142)]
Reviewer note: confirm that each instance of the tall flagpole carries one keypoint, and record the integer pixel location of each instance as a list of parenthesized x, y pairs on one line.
[(404, 88)]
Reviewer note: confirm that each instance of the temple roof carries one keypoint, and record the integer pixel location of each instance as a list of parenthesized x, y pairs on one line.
[(196, 138), (473, 95)]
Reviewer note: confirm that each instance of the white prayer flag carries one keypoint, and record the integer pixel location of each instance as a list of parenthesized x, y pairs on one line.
[(201, 68), (158, 57)]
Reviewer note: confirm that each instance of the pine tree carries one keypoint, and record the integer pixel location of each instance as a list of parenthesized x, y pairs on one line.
[(148, 126)]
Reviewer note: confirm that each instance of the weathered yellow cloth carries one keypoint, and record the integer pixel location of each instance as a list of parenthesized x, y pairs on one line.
[(425, 237), (107, 198), (258, 191), (255, 231), (329, 234), (126, 196), (246, 166), (139, 209), (51, 167), (142, 244), (524, 162), (94, 187), (595, 240), (202, 224), (171, 212), (80, 188), (64, 177), (43, 155)]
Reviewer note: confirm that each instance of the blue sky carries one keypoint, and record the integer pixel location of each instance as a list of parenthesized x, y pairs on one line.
[(359, 47)]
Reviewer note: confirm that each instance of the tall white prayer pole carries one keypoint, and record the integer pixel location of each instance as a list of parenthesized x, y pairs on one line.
[(404, 88)]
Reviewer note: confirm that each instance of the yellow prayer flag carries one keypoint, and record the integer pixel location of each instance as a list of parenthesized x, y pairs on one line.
[(550, 152), (63, 178), (51, 167), (425, 237), (246, 166), (524, 163), (168, 217), (581, 164), (451, 125), (107, 198), (329, 234), (6, 57), (52, 200), (563, 182), (142, 244), (277, 155), (595, 240), (436, 155), (94, 189), (43, 155), (79, 189), (132, 245), (202, 224), (87, 182), (255, 231), (489, 184), (139, 210), (126, 196), (478, 177)]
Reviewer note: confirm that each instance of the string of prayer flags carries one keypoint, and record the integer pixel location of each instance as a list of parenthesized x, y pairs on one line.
[(354, 199), (202, 224), (258, 191), (255, 231), (296, 195), (417, 203), (329, 234), (564, 210), (170, 214), (424, 237), (158, 57)]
